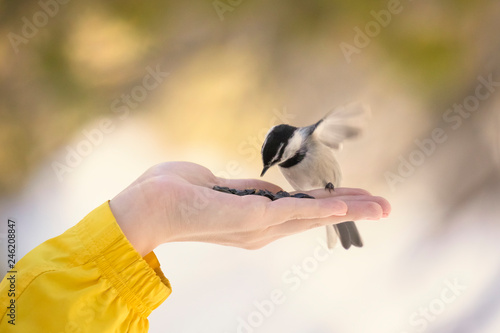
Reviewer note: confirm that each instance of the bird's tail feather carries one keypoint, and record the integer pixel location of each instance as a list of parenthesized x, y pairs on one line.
[(348, 234)]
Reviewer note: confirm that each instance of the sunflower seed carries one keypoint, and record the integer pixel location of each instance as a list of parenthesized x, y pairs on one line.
[(264, 193), (302, 195)]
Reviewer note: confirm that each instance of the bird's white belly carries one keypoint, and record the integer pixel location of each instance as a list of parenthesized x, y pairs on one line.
[(312, 173)]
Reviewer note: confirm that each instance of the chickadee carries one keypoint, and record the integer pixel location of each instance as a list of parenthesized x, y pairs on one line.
[(306, 157)]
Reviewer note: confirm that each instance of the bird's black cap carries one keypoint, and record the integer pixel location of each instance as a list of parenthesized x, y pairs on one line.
[(275, 144)]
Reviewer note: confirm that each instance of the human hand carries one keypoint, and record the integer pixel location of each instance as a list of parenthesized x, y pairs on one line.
[(174, 201)]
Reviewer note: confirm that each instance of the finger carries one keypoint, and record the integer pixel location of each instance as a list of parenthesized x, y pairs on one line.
[(248, 184), (322, 193), (382, 202), (359, 210), (295, 208)]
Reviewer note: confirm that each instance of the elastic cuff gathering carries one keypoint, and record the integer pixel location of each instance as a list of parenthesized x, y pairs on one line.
[(139, 281)]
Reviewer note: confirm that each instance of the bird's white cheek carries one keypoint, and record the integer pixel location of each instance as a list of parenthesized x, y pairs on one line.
[(293, 146)]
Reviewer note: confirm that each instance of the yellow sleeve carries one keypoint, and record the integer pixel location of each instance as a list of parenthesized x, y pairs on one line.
[(89, 279)]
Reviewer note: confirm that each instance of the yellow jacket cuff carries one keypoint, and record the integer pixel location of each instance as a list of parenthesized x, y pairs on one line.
[(89, 279)]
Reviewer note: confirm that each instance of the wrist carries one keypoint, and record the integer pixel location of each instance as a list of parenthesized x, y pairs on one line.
[(129, 215)]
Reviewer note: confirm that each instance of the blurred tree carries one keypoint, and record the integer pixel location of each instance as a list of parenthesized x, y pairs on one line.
[(85, 54)]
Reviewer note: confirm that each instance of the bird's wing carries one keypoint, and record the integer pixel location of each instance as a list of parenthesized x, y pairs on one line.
[(342, 123)]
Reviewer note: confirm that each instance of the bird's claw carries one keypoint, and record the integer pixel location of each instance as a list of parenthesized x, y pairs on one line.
[(329, 186)]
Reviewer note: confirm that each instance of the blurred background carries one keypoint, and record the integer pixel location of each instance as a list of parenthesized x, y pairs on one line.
[(93, 93)]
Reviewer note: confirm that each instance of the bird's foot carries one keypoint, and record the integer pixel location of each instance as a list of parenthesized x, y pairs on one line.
[(329, 186)]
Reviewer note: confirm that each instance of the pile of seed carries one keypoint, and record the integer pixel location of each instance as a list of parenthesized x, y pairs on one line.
[(264, 193)]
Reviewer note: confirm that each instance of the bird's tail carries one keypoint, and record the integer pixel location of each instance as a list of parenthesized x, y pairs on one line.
[(347, 232)]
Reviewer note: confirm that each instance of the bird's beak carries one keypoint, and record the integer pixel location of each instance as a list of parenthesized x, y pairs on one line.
[(264, 170)]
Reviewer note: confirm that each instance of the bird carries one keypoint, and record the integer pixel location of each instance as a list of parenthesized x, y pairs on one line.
[(306, 158)]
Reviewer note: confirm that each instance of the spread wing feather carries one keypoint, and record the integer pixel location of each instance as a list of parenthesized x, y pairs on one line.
[(344, 122)]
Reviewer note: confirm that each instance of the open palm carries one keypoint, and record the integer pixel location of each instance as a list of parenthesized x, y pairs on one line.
[(174, 201)]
